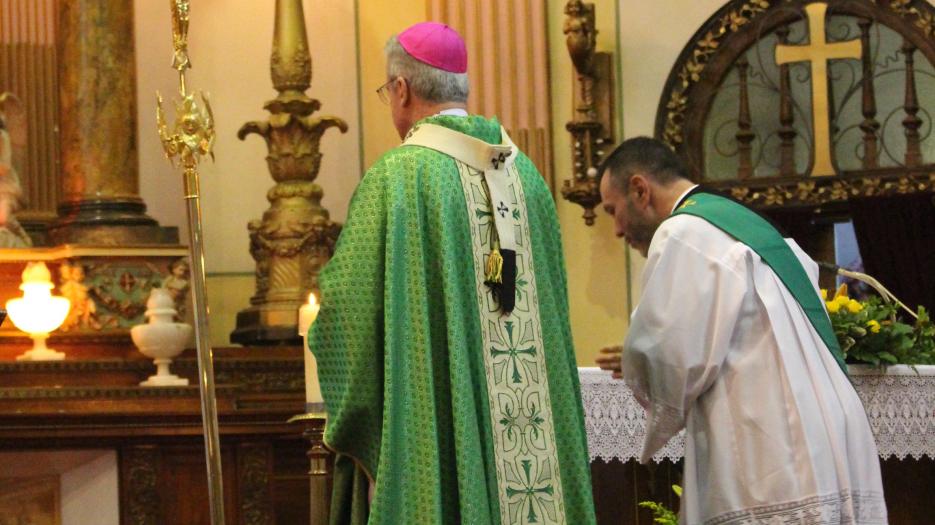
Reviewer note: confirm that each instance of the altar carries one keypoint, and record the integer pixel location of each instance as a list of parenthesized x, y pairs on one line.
[(900, 405), (82, 442)]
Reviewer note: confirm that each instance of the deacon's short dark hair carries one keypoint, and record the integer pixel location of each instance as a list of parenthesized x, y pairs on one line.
[(644, 155)]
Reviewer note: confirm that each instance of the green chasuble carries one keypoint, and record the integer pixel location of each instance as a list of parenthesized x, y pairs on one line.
[(460, 414), (746, 226)]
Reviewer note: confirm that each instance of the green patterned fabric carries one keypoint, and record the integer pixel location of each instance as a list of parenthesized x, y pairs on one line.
[(403, 363)]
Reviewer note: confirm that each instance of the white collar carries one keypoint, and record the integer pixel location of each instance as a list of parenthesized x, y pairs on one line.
[(453, 112), (682, 196)]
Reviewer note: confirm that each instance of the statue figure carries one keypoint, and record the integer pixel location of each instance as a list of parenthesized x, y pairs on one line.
[(12, 234), (177, 285), (83, 309), (580, 36), (180, 59)]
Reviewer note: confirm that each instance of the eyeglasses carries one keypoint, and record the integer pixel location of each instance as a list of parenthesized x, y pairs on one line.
[(384, 91)]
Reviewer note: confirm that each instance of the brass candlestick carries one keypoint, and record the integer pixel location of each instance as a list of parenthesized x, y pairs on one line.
[(191, 138), (320, 465), (295, 237)]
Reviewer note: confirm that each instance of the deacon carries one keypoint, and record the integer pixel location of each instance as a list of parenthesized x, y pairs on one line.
[(731, 342), (443, 344)]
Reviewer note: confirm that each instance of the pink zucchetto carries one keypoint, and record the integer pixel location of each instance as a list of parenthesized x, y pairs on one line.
[(436, 45)]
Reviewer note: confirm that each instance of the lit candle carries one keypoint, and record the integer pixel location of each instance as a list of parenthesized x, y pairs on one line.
[(307, 314)]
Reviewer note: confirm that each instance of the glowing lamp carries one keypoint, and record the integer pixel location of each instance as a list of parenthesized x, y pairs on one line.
[(38, 312)]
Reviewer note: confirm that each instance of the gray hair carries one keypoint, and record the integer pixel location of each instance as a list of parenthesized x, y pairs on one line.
[(428, 83)]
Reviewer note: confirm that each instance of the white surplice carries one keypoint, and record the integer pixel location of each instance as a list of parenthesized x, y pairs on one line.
[(775, 433)]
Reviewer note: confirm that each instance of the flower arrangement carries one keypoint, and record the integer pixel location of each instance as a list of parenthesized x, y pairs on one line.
[(870, 332)]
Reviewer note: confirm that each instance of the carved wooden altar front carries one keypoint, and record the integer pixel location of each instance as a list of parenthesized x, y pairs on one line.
[(95, 403)]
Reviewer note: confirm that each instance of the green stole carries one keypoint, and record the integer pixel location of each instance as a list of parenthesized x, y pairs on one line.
[(747, 227)]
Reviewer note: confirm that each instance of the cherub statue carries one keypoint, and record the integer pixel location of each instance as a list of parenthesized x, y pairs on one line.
[(581, 35), (177, 284), (83, 309), (12, 133)]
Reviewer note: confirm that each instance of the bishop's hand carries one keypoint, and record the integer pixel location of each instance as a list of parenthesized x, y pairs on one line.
[(610, 360)]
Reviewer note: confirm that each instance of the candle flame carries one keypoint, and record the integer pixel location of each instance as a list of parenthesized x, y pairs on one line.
[(312, 301)]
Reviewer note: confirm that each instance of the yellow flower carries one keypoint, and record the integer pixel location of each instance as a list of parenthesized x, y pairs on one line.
[(841, 291), (824, 294), (874, 326), (842, 300), (833, 306), (854, 306)]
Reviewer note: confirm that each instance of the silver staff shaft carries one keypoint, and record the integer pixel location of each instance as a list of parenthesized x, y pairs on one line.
[(209, 410)]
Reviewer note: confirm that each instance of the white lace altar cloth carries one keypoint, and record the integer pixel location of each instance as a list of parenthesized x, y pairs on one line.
[(900, 405)]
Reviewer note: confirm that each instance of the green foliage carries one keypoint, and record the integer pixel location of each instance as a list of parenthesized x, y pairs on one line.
[(871, 333), (661, 514)]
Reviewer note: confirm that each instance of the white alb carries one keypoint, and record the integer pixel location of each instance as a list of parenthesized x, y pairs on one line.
[(774, 431)]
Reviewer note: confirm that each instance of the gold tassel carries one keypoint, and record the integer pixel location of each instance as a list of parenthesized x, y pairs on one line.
[(494, 272)]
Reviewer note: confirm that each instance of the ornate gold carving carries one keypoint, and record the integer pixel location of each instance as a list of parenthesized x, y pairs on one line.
[(180, 60), (775, 196), (193, 134), (804, 189), (295, 236), (294, 72), (737, 27), (697, 58), (740, 193), (290, 62), (924, 20), (826, 191), (592, 125), (692, 69)]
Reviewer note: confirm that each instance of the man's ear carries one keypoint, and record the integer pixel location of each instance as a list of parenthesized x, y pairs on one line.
[(403, 92), (640, 189)]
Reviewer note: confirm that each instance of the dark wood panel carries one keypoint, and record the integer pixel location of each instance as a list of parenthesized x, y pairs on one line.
[(909, 487), (290, 482), (619, 487)]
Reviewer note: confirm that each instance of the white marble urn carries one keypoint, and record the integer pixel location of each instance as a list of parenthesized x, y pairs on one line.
[(161, 339)]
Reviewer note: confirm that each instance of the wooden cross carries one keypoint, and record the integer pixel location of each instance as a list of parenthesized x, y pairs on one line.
[(818, 52)]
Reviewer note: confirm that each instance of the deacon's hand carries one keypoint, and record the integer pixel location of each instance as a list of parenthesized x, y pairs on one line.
[(610, 360)]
